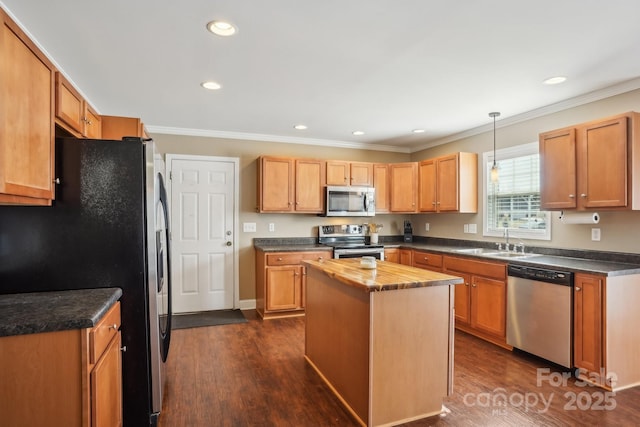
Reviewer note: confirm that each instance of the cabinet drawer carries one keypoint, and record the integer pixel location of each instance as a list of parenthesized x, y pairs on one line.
[(480, 268), (427, 259), (103, 332), (294, 258)]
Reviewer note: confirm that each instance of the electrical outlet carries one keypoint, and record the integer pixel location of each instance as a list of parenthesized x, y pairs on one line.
[(249, 227), (473, 228), (465, 228), (272, 227), (595, 234), (426, 226)]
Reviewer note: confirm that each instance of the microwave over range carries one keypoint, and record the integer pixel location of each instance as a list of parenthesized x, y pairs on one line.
[(350, 201)]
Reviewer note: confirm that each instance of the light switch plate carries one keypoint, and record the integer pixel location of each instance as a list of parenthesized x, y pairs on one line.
[(272, 226), (249, 227), (426, 226), (595, 234)]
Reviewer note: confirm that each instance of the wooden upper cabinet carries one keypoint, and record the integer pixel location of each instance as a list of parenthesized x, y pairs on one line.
[(558, 169), (309, 185), (116, 127), (338, 172), (381, 184), (349, 173), (27, 80), (73, 112), (449, 183), (592, 165), (403, 178), (290, 185)]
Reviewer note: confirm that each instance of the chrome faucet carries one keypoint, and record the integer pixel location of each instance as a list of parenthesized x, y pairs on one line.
[(506, 237)]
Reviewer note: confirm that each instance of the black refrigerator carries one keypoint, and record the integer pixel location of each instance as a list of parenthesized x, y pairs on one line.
[(108, 227)]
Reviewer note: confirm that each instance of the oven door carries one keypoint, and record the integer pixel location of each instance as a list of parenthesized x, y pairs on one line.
[(377, 253)]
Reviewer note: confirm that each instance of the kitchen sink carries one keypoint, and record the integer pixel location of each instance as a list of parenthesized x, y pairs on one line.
[(493, 253)]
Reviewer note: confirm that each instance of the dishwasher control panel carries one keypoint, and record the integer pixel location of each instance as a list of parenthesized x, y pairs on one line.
[(541, 274)]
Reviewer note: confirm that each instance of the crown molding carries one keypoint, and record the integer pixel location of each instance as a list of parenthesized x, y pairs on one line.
[(273, 138), (624, 87)]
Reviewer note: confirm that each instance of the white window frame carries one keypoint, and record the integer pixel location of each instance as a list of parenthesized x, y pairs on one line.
[(507, 153)]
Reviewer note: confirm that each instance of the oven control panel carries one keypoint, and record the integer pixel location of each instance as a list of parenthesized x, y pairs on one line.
[(341, 230)]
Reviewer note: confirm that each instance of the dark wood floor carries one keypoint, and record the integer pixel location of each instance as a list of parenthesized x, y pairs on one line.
[(254, 374)]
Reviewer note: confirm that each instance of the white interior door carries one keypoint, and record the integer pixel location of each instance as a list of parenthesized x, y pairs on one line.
[(203, 230)]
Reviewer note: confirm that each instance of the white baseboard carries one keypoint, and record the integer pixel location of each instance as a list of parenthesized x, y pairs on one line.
[(247, 304)]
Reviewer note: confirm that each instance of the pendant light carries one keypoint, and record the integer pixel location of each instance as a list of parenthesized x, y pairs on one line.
[(494, 168)]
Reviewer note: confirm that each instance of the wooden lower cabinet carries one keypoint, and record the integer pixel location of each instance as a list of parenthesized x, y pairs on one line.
[(427, 260), (406, 256), (65, 378), (392, 255), (281, 281), (481, 301), (606, 339)]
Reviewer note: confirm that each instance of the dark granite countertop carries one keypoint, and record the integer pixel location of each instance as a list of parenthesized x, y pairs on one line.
[(607, 264), (31, 313)]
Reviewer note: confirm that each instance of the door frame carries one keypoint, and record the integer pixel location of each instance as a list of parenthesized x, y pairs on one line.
[(169, 157)]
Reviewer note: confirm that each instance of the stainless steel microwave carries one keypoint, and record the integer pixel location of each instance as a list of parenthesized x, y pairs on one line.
[(350, 201)]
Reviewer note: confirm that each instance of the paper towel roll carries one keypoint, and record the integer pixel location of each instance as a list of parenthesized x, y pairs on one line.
[(580, 218)]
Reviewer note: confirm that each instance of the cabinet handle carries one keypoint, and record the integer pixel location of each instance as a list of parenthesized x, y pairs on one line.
[(56, 181), (473, 285), (466, 283), (583, 195), (279, 258), (114, 326), (123, 349), (572, 196), (578, 288)]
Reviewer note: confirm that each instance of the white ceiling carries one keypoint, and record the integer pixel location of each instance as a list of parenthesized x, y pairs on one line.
[(381, 66)]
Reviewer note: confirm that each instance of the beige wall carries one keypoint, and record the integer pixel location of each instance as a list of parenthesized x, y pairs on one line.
[(620, 230)]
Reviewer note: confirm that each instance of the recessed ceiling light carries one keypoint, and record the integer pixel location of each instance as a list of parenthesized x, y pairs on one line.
[(357, 132), (221, 28), (418, 131), (211, 85), (300, 127), (555, 80)]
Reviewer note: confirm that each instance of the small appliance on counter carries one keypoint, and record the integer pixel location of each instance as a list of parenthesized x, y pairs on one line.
[(408, 232)]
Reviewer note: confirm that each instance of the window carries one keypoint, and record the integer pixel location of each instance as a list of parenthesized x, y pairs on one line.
[(514, 201)]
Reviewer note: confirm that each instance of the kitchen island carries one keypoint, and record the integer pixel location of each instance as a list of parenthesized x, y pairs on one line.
[(381, 338)]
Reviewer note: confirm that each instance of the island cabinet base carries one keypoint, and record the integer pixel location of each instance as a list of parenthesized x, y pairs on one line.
[(388, 355)]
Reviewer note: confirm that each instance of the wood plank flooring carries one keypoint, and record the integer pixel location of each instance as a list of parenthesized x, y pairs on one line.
[(254, 374)]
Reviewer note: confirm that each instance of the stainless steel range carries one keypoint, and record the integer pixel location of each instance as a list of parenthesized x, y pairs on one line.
[(348, 241)]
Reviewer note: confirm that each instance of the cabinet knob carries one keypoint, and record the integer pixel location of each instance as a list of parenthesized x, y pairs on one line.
[(578, 288), (123, 349), (114, 326), (279, 258), (572, 196), (473, 285), (583, 195), (56, 181), (466, 283)]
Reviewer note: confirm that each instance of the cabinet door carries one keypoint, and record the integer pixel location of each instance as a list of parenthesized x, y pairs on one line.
[(309, 185), (361, 174), (106, 388), (26, 119), (404, 183), (381, 184), (463, 299), (337, 172), (69, 105), (489, 305), (587, 326), (447, 184), (427, 187), (392, 255), (92, 123), (406, 256), (602, 164), (558, 169), (283, 287), (275, 184)]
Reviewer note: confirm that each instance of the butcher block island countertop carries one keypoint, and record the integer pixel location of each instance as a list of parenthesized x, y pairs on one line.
[(382, 339)]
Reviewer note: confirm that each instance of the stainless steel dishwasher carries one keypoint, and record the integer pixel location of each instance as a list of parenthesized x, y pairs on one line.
[(539, 312)]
